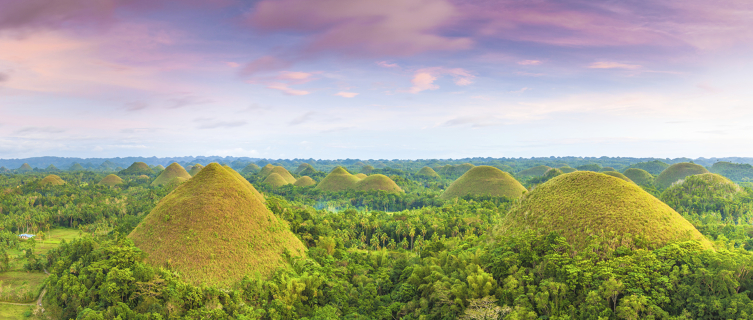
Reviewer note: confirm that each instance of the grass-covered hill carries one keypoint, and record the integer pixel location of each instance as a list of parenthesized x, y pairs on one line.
[(580, 204), (639, 176), (266, 170), (654, 167), (484, 180), (378, 182), (305, 169), (143, 177), (535, 171), (76, 167), (304, 181), (676, 172), (159, 167), (733, 171), (283, 173), (567, 169), (136, 169), (605, 169), (52, 168), (110, 180), (251, 168), (174, 170), (51, 180), (338, 179), (360, 176), (24, 168), (275, 180), (367, 169), (195, 169), (214, 230), (245, 183), (427, 172), (589, 167), (454, 170), (707, 192), (618, 175)]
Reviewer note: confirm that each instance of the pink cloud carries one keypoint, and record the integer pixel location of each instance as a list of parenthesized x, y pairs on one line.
[(287, 90), (529, 62), (613, 65), (346, 94), (372, 28), (387, 64), (424, 79)]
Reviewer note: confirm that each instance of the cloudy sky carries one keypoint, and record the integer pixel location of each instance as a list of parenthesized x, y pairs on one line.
[(376, 79)]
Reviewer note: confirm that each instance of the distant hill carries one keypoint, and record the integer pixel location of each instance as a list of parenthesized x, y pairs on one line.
[(51, 180), (195, 169), (304, 181), (617, 175), (174, 170), (706, 192), (567, 169), (580, 204), (377, 182), (734, 171), (251, 168), (367, 169), (452, 171), (305, 169), (76, 167), (338, 179), (639, 176), (427, 172), (110, 180), (654, 167), (275, 180), (676, 172), (214, 230), (266, 170), (360, 176), (535, 171), (24, 168), (484, 180), (137, 168)]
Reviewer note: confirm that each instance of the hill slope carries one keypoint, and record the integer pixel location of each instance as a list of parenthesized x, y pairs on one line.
[(195, 169), (251, 168), (583, 203), (378, 182), (338, 180), (484, 180), (275, 180), (618, 175), (245, 182), (678, 171), (535, 171), (213, 230), (304, 181), (51, 180), (137, 168), (427, 172), (174, 170), (283, 173)]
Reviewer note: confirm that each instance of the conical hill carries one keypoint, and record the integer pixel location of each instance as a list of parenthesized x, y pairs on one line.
[(195, 169), (678, 171), (338, 180), (110, 180), (484, 180), (304, 167), (618, 175), (251, 168), (567, 169), (304, 181), (160, 167), (213, 230), (275, 180), (137, 168), (174, 170), (76, 167), (580, 204), (367, 169), (536, 171), (266, 170), (639, 176), (283, 173), (51, 180), (427, 172), (378, 182), (360, 176), (245, 183), (700, 193), (24, 168)]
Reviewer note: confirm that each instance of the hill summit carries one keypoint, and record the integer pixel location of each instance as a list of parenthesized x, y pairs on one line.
[(173, 171), (338, 179), (195, 169), (427, 172), (582, 203), (214, 230), (678, 171), (24, 168), (51, 180), (378, 182), (639, 176), (304, 181), (137, 168), (484, 180)]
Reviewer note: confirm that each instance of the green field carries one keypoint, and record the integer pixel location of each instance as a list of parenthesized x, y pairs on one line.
[(13, 312), (21, 286)]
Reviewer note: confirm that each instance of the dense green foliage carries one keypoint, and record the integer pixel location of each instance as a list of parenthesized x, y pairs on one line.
[(741, 172), (535, 171)]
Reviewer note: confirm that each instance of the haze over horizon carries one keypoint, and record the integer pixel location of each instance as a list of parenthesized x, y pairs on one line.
[(334, 79)]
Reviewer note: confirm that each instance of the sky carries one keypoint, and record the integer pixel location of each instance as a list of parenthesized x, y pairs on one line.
[(387, 79)]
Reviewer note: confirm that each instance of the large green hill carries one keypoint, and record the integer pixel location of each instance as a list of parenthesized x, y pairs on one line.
[(338, 179), (304, 181), (580, 204), (214, 230), (639, 176), (251, 168), (707, 192), (484, 180), (378, 182), (427, 172), (676, 172), (174, 170)]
